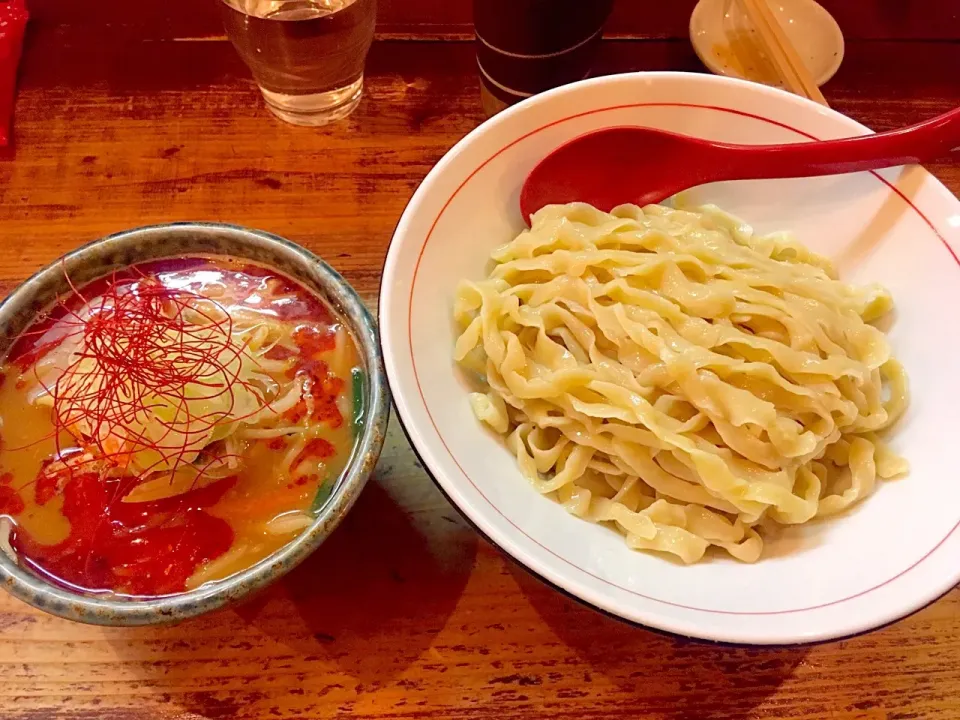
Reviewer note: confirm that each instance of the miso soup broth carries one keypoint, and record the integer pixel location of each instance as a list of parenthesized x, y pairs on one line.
[(173, 424)]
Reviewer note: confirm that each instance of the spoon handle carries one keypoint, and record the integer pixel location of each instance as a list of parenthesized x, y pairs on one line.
[(906, 146)]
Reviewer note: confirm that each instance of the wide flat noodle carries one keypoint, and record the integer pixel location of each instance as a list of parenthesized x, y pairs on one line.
[(671, 374)]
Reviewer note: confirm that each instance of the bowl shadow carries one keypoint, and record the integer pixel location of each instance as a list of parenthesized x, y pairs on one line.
[(352, 617), (669, 677), (376, 582)]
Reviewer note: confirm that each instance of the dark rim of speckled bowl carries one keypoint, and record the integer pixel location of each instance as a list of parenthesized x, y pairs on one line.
[(113, 252)]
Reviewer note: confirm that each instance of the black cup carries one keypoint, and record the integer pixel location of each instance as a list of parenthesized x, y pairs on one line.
[(527, 46)]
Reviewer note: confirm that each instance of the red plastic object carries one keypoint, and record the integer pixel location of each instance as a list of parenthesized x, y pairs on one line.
[(641, 165), (13, 21)]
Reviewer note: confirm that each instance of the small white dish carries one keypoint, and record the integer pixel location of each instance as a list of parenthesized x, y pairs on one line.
[(893, 553), (725, 40)]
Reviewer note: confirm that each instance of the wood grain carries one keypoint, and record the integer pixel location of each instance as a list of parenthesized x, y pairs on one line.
[(859, 19), (404, 612)]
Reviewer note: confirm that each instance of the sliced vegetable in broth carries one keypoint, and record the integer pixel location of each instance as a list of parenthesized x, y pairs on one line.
[(173, 424)]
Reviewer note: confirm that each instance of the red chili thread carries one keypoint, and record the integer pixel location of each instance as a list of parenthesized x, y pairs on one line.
[(142, 347)]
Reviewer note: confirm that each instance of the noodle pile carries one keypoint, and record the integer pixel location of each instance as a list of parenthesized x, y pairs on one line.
[(673, 374)]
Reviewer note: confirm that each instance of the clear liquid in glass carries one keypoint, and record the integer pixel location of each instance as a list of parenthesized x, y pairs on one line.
[(307, 56)]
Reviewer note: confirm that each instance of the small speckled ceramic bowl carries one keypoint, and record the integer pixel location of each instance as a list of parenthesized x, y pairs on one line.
[(726, 41), (165, 241)]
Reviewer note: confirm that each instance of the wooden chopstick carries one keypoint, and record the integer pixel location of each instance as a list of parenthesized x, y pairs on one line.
[(793, 72)]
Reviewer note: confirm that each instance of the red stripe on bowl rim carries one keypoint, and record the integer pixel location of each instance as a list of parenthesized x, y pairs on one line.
[(496, 509)]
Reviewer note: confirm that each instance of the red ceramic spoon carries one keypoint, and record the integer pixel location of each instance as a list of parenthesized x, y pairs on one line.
[(641, 165)]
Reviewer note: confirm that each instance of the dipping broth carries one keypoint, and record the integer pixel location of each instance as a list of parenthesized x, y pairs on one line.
[(173, 424)]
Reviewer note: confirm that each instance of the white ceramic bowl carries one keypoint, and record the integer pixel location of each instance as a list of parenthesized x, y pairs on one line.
[(892, 554)]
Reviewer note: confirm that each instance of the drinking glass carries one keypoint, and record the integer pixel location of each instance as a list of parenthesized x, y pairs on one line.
[(307, 56)]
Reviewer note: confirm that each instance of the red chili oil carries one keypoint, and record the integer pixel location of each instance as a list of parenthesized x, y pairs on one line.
[(75, 528)]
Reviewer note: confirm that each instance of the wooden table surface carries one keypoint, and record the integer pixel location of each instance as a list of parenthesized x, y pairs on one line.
[(405, 612)]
